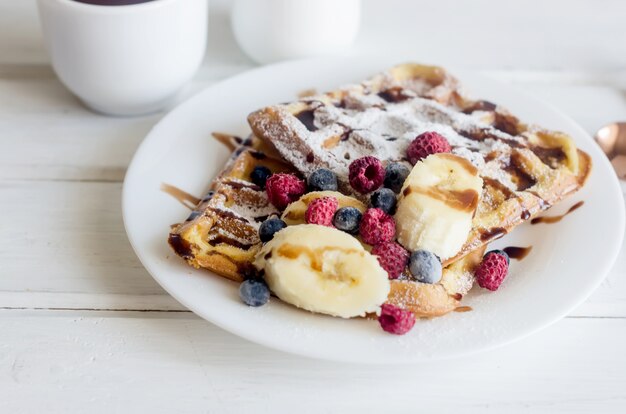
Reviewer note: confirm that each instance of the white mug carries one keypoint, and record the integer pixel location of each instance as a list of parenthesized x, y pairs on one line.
[(272, 30), (125, 59)]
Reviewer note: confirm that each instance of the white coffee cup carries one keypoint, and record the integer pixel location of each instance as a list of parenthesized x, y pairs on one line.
[(129, 59), (272, 30)]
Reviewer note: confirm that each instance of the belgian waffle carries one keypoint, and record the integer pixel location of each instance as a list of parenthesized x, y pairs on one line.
[(525, 168), (221, 233)]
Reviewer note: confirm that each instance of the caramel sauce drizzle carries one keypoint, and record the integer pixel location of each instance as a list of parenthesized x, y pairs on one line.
[(556, 219), (466, 200), (506, 191), (183, 197), (463, 309), (316, 256), (331, 142)]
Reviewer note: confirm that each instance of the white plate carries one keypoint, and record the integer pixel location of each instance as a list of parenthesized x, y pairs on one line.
[(568, 261)]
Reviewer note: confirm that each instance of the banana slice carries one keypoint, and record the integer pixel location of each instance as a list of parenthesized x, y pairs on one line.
[(294, 213), (323, 270), (437, 203)]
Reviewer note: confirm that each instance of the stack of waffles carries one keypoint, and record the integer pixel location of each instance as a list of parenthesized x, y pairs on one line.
[(525, 170)]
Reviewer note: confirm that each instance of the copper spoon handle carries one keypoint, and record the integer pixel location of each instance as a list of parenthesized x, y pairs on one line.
[(612, 139)]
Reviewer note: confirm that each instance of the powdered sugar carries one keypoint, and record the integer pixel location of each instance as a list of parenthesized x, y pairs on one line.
[(249, 212), (369, 125)]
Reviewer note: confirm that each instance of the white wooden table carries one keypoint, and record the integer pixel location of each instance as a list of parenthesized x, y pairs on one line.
[(84, 328)]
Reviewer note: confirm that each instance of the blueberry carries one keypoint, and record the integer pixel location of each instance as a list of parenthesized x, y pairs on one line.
[(425, 266), (502, 253), (384, 199), (254, 292), (322, 180), (259, 175), (269, 227), (347, 219), (395, 174)]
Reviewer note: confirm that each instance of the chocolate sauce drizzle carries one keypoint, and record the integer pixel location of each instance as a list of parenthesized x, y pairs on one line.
[(181, 196), (394, 95), (307, 117), (517, 253), (180, 246), (556, 219), (492, 234)]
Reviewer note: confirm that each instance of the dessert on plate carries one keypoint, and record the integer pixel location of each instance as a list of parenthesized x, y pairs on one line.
[(378, 198)]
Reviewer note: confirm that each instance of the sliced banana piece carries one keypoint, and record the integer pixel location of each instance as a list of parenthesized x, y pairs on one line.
[(437, 204), (458, 278), (294, 213), (323, 270)]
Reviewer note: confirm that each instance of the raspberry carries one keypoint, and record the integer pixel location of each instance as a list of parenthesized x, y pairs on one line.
[(426, 144), (377, 227), (366, 174), (321, 211), (283, 189), (501, 252), (492, 271), (392, 257), (395, 320)]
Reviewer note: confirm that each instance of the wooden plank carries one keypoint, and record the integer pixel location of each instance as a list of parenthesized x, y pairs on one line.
[(95, 300), (64, 246), (47, 134), (20, 40), (67, 237), (68, 249), (61, 362)]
